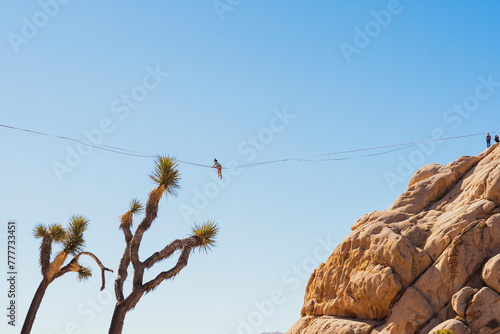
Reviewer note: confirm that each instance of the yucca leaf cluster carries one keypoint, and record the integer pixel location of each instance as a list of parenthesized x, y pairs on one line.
[(71, 238)]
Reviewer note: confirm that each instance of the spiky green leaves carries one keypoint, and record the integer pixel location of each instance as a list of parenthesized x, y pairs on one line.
[(84, 273), (135, 208), (74, 241), (166, 174), (39, 231), (208, 233), (71, 238), (55, 231)]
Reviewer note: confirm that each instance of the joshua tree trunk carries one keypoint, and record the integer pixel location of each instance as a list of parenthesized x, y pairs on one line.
[(121, 309), (119, 314), (35, 304)]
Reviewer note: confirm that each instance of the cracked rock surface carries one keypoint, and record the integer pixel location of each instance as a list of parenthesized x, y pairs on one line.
[(429, 261)]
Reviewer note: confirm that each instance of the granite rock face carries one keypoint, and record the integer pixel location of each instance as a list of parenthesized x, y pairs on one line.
[(429, 261)]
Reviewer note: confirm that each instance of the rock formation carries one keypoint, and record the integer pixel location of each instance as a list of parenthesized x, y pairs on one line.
[(431, 261)]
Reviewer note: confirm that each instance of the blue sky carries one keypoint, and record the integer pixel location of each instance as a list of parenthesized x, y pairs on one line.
[(223, 72)]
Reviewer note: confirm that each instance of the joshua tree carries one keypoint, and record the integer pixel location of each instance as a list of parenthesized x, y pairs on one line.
[(73, 244), (166, 177)]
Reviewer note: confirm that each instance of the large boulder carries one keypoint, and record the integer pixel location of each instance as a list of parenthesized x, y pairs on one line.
[(460, 300), (491, 273), (457, 327), (483, 313), (419, 264)]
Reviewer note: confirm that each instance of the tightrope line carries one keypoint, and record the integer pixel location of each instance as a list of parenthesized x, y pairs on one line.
[(309, 158)]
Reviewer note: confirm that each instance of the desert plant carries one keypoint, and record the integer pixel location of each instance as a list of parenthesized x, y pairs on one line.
[(73, 244), (166, 177), (443, 331)]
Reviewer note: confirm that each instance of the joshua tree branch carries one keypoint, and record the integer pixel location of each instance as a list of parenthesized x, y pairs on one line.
[(99, 263), (122, 274), (151, 213), (45, 251), (73, 265), (181, 263), (171, 248), (128, 234), (124, 263), (164, 253)]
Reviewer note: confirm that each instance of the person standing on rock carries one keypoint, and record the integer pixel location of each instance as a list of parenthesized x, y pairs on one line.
[(497, 140), (488, 140)]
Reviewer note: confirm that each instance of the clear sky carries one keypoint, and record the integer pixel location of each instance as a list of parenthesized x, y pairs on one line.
[(236, 80)]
